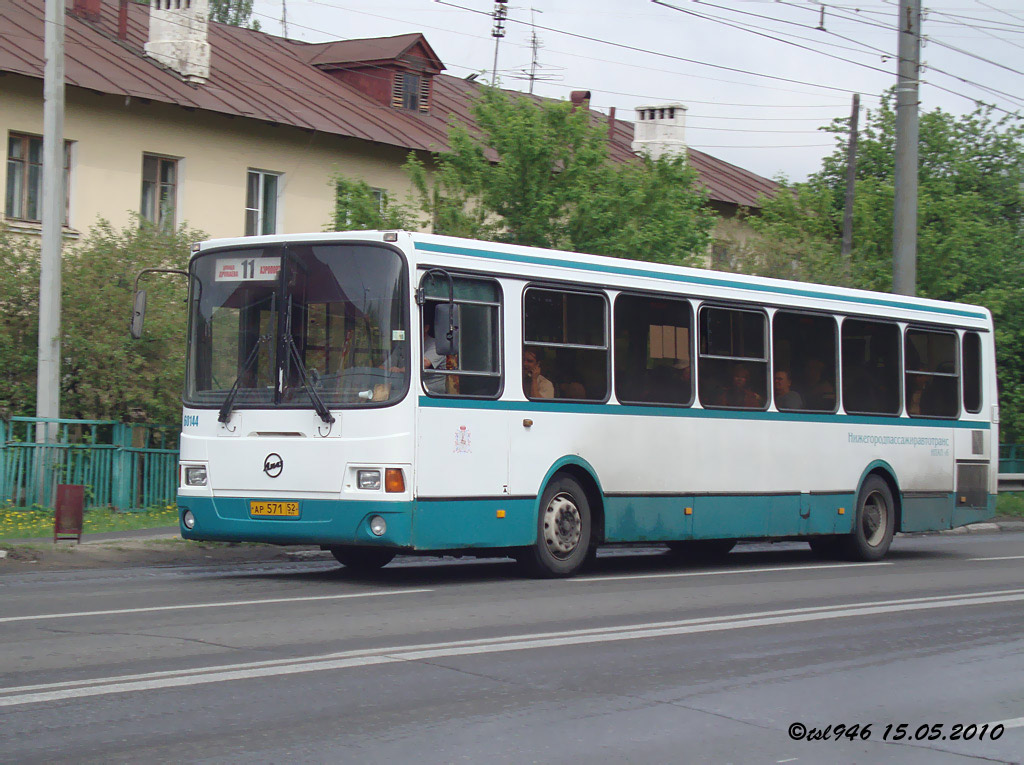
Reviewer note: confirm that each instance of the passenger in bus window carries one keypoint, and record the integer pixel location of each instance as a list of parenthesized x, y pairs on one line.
[(918, 385), (740, 394), (535, 384), (432, 381), (819, 393), (785, 396)]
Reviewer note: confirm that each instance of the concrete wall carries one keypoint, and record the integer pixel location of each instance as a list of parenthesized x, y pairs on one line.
[(111, 133)]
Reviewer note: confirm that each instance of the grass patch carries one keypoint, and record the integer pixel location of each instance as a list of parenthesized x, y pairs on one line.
[(27, 522), (1010, 503)]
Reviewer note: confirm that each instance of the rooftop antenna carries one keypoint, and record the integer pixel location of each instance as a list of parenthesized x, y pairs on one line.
[(534, 46), (284, 17), (497, 32)]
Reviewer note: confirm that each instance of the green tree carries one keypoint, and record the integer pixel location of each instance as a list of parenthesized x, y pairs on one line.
[(538, 173), (970, 215), (358, 207), (104, 374), (237, 13)]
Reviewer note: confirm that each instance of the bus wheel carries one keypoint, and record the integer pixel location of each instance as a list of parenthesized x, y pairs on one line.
[(563, 531), (362, 558), (699, 550), (874, 524)]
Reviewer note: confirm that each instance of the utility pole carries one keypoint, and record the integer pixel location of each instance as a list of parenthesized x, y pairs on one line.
[(851, 182), (904, 248), (497, 32), (48, 365)]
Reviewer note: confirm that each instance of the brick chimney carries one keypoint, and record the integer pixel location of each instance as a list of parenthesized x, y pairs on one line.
[(660, 130), (580, 98), (178, 37), (87, 9)]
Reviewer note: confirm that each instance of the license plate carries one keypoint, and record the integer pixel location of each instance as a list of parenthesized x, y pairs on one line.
[(274, 509)]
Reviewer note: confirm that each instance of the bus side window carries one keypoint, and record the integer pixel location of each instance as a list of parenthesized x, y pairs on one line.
[(931, 373), (733, 363), (653, 340), (871, 367), (805, 362), (972, 372), (475, 369), (565, 345)]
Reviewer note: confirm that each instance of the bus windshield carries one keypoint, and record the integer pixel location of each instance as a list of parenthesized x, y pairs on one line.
[(278, 326)]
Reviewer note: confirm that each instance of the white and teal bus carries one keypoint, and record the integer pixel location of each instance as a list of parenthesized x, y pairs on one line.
[(378, 393)]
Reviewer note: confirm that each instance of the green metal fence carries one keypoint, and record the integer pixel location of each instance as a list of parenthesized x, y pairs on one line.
[(1011, 458), (124, 466)]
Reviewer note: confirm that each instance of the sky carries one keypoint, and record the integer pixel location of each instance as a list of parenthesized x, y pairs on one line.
[(759, 77)]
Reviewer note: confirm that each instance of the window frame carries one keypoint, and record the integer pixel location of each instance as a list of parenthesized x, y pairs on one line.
[(761, 309), (901, 370), (836, 324), (423, 269), (692, 314), (957, 350), (261, 202), (25, 164), (963, 376), (570, 288), (158, 219)]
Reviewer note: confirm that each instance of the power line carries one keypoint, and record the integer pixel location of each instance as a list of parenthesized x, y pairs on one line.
[(660, 54)]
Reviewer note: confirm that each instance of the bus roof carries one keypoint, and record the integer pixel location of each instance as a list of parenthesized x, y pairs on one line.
[(535, 263)]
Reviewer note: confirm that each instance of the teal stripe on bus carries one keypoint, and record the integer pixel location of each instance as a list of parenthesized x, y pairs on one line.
[(672, 411), (707, 281)]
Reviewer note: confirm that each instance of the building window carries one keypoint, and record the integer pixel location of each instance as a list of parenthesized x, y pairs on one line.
[(261, 203), (410, 91), (159, 190), (24, 198)]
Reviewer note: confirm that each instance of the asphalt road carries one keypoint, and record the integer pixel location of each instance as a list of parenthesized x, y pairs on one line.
[(644, 659)]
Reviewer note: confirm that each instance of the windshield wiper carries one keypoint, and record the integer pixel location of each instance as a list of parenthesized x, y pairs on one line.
[(318, 403), (225, 410)]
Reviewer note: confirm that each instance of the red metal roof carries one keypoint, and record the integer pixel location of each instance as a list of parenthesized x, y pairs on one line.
[(267, 78)]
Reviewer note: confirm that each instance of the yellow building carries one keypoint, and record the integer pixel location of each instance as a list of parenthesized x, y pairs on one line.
[(234, 131)]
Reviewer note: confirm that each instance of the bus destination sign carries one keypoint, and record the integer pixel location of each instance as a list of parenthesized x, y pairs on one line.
[(247, 269)]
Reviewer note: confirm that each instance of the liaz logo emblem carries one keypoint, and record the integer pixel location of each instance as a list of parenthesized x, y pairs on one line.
[(273, 465)]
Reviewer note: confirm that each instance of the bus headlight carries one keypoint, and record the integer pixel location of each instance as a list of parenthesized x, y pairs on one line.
[(188, 520), (195, 476), (368, 479), (378, 526)]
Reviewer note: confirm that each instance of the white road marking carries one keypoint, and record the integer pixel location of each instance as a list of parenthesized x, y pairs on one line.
[(1004, 557), (1017, 722), (34, 694), (726, 571), (189, 606)]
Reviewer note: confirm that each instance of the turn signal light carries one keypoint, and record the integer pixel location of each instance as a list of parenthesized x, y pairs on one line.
[(394, 481)]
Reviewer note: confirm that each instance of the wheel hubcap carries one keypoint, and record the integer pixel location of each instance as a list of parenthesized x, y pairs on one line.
[(875, 519), (562, 526)]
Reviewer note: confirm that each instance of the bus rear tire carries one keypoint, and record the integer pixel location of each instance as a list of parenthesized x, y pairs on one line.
[(563, 531), (362, 559), (874, 523)]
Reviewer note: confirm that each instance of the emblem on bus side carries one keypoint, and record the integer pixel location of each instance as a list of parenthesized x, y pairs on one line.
[(273, 465)]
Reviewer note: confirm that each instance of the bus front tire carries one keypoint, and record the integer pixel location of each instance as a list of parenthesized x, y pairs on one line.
[(362, 558), (563, 531), (874, 523)]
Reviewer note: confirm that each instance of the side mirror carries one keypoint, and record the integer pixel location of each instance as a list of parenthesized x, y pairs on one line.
[(138, 314), (446, 329)]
